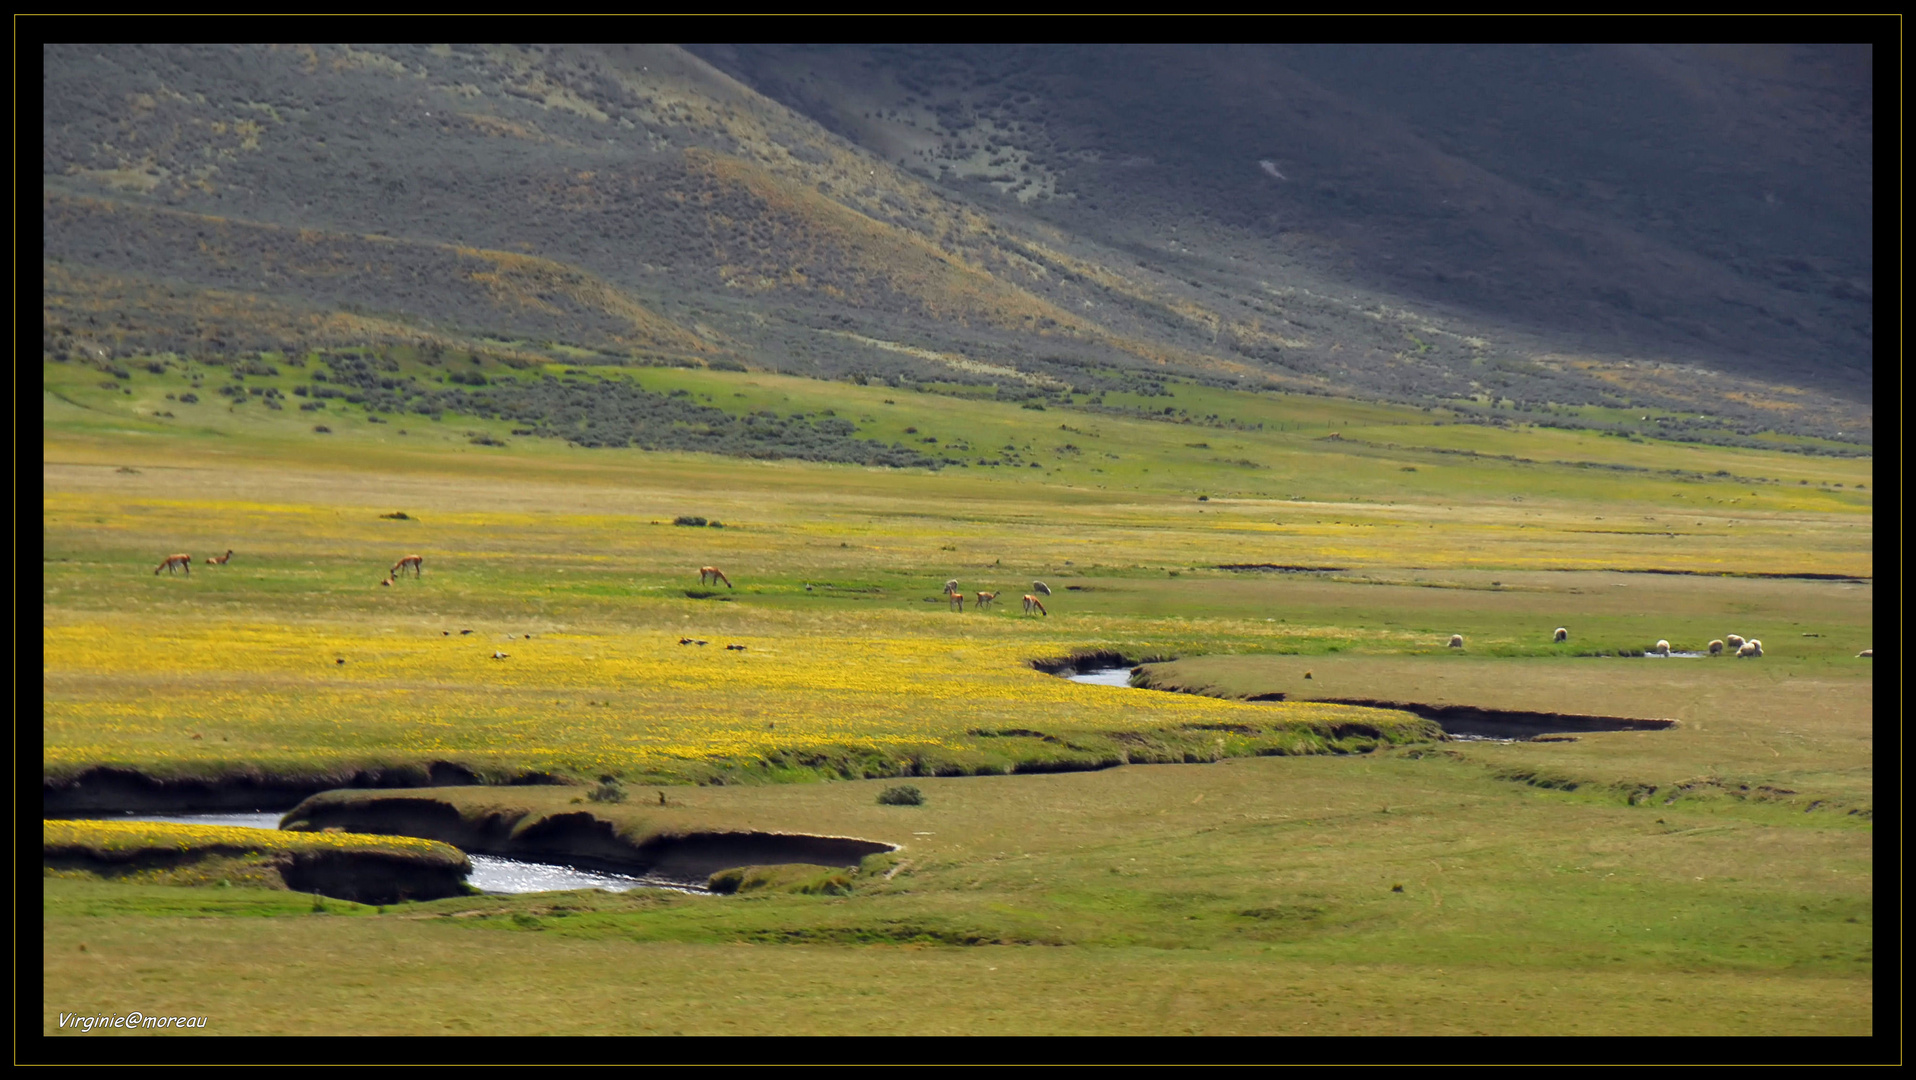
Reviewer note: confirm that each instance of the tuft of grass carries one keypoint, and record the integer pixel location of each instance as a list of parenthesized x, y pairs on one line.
[(902, 795)]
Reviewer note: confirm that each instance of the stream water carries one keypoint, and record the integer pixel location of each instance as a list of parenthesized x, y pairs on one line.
[(489, 873), (1464, 723), (1117, 676)]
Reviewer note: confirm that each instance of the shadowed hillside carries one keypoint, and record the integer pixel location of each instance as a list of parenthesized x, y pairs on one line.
[(1507, 233)]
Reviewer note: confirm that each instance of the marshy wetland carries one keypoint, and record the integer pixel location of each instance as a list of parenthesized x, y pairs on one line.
[(1288, 845)]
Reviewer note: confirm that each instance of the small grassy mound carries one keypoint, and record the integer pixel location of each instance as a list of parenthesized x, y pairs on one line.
[(351, 866), (784, 878)]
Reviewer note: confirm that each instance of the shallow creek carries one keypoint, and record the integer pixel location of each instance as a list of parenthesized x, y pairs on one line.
[(1460, 722), (489, 873)]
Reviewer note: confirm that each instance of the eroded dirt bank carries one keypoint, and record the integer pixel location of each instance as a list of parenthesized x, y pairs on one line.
[(580, 838), (119, 788), (1472, 720), (366, 877)]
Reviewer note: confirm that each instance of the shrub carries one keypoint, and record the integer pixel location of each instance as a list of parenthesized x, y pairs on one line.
[(902, 795), (687, 519), (322, 429), (609, 790), (190, 398)]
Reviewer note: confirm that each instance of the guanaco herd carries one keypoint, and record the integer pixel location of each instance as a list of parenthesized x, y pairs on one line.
[(714, 575), (711, 574), (957, 597)]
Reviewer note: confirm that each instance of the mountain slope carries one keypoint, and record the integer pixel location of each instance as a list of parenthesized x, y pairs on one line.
[(1035, 217)]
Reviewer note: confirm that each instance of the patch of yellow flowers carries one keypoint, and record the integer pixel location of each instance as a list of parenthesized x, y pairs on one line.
[(585, 704), (150, 836)]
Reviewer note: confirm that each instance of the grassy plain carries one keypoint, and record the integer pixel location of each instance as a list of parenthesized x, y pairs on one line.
[(1253, 895)]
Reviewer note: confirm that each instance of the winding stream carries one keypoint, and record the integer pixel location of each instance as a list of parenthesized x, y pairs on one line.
[(1460, 722), (490, 874)]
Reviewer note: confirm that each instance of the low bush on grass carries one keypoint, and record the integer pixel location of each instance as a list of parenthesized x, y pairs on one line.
[(902, 795)]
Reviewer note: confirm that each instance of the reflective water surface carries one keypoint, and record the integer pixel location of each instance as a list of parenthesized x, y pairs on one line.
[(1117, 676)]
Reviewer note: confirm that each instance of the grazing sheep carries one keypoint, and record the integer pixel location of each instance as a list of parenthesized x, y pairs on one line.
[(1733, 641), (1758, 644), (1662, 648), (1041, 587), (1560, 636), (1749, 649), (1456, 641), (1866, 652), (1716, 648)]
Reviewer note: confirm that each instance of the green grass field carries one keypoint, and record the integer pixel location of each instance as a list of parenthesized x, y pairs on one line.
[(1542, 891)]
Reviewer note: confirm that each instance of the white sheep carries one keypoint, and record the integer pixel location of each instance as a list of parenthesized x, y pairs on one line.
[(1662, 648), (1758, 644), (1561, 635), (1748, 649), (1456, 641), (1866, 652), (1716, 648), (1733, 641)]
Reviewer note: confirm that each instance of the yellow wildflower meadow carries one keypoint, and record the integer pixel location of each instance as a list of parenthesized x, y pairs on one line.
[(182, 696)]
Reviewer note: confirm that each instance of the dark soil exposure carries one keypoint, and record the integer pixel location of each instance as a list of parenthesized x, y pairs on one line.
[(1850, 579), (118, 788), (1506, 723), (1465, 720), (366, 877), (1091, 660), (1282, 569), (578, 838)]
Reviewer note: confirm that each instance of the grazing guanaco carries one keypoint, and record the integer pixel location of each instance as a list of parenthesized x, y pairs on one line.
[(400, 566), (714, 575), (1031, 604), (221, 560), (184, 562), (985, 599), (957, 599)]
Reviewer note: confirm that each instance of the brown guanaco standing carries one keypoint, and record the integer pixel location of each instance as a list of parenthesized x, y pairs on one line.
[(183, 562), (714, 575), (399, 567)]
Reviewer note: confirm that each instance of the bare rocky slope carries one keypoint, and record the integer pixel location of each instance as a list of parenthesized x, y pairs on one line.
[(1506, 232)]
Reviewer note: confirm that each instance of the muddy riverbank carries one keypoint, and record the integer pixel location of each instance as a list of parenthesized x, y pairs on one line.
[(677, 854)]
